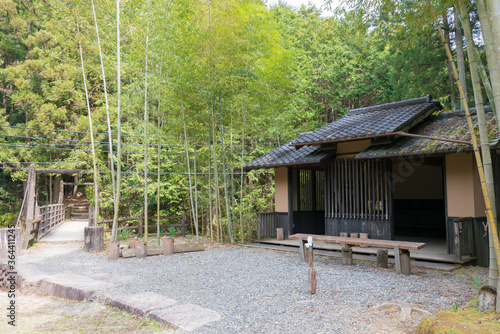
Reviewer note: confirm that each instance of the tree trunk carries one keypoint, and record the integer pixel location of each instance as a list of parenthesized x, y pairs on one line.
[(483, 130), (57, 184)]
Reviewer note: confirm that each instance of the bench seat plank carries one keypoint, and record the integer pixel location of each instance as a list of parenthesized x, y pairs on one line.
[(361, 242)]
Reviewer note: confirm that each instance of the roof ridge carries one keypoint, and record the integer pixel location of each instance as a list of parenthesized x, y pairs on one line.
[(461, 112), (418, 100)]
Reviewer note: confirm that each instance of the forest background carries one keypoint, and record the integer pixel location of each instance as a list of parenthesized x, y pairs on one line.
[(206, 86)]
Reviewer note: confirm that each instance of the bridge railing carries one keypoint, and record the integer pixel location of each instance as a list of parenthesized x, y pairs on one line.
[(51, 216)]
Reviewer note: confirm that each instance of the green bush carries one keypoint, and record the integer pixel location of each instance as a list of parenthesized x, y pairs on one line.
[(171, 230), (8, 219), (123, 234)]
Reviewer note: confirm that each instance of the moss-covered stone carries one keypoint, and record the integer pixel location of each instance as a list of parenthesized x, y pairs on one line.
[(464, 321)]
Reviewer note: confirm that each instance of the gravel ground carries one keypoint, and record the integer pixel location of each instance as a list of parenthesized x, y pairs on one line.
[(263, 291)]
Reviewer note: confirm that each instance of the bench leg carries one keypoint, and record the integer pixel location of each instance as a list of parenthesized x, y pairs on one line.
[(304, 255), (382, 258), (402, 258), (405, 262), (347, 256)]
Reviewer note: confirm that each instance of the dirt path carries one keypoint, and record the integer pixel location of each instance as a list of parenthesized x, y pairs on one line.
[(37, 313)]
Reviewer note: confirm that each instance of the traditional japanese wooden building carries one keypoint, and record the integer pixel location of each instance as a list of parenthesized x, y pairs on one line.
[(397, 170)]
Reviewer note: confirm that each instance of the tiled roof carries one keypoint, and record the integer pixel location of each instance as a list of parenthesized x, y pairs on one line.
[(449, 125), (381, 119), (364, 122), (287, 155)]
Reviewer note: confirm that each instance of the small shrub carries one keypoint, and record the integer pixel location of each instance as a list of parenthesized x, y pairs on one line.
[(171, 230), (8, 219), (123, 234)]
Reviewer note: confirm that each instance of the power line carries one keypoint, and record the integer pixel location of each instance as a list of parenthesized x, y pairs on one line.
[(142, 173), (69, 149), (263, 143), (69, 131), (80, 141)]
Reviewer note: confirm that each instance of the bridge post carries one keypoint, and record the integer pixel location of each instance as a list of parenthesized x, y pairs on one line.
[(30, 204), (61, 192)]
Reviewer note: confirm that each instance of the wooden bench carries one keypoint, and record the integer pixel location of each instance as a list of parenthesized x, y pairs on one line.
[(401, 249)]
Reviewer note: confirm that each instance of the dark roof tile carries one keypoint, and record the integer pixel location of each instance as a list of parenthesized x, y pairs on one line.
[(451, 125), (385, 118)]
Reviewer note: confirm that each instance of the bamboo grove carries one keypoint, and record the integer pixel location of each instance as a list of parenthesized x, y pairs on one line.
[(170, 98)]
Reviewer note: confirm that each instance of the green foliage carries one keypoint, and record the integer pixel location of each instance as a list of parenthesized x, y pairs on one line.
[(123, 234), (171, 230), (8, 219), (240, 73)]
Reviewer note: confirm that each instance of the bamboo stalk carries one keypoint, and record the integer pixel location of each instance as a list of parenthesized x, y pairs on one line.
[(188, 166), (491, 222), (195, 186), (483, 131), (146, 131), (108, 121), (210, 185), (94, 163), (114, 230), (226, 191)]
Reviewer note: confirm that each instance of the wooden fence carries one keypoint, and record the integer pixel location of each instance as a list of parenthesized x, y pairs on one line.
[(139, 227), (266, 225), (50, 216)]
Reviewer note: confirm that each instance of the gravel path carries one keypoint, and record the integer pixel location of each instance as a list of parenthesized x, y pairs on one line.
[(263, 291)]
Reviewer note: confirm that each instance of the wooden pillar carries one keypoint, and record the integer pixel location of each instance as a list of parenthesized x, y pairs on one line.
[(55, 192), (402, 259), (310, 255), (290, 202), (91, 216), (389, 196), (183, 223), (382, 258), (30, 204), (259, 226), (456, 239), (405, 262), (61, 192), (168, 246), (113, 250), (313, 187), (280, 234), (75, 186), (94, 239), (314, 281), (346, 255), (50, 189), (140, 249), (301, 248), (141, 227)]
